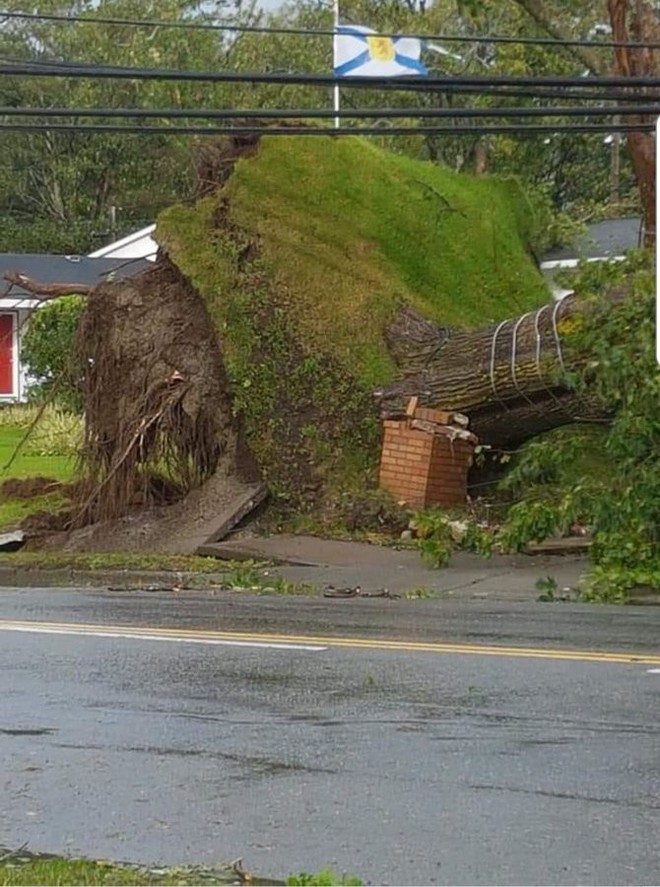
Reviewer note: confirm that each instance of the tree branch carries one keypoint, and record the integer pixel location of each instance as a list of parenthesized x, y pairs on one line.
[(45, 291), (539, 11)]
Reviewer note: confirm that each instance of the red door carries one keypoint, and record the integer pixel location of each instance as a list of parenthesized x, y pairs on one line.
[(6, 354)]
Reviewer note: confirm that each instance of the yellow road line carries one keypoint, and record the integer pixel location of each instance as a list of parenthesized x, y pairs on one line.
[(245, 638)]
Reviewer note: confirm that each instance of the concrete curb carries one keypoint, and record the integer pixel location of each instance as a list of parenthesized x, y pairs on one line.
[(66, 577)]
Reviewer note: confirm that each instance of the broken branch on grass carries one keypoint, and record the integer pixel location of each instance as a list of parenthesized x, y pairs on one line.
[(11, 854)]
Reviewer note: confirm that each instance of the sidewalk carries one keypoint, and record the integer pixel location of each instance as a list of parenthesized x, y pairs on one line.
[(322, 562), (319, 563)]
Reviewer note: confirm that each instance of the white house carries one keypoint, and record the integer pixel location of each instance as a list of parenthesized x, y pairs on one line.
[(139, 245), (605, 241), (17, 304)]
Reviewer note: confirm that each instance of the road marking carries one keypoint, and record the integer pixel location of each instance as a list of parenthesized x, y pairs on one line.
[(653, 670), (316, 644), (149, 635)]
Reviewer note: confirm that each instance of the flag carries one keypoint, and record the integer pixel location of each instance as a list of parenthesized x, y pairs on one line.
[(361, 52)]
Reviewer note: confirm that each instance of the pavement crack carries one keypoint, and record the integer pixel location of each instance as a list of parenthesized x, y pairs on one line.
[(564, 796), (262, 765), (469, 584)]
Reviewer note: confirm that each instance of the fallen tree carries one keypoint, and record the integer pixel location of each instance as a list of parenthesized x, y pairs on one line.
[(281, 301), (509, 378)]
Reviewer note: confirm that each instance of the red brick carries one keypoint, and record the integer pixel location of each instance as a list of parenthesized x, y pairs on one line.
[(442, 417)]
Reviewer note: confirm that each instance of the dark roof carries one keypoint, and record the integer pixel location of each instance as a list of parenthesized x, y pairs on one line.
[(611, 237), (66, 269)]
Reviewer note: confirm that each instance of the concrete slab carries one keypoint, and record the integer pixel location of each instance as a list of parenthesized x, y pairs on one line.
[(321, 562), (309, 551), (12, 541)]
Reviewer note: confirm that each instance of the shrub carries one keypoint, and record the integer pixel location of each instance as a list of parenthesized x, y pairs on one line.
[(58, 433), (621, 502), (48, 350)]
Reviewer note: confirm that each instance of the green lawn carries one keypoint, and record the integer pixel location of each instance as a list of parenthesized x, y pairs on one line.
[(25, 464), (117, 560), (57, 871), (29, 464), (53, 871), (14, 511)]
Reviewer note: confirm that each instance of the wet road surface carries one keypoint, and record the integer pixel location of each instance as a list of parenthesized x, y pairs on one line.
[(403, 766)]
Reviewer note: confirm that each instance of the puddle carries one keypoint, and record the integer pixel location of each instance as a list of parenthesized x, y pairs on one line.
[(34, 731)]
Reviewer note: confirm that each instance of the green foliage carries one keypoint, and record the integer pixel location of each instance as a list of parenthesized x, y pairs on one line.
[(48, 351), (17, 415), (436, 542), (418, 594), (618, 498), (547, 586), (572, 170), (245, 576), (324, 878), (439, 534), (69, 192), (553, 226), (58, 433)]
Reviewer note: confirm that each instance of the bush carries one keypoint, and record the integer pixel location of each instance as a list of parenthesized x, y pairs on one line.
[(58, 433), (620, 503), (48, 350)]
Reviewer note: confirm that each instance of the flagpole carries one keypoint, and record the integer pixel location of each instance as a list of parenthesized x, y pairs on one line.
[(335, 90)]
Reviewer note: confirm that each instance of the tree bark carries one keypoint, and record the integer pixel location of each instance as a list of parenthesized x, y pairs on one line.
[(507, 377), (636, 20)]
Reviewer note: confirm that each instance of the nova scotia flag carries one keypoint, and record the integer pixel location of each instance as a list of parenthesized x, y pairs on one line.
[(361, 52)]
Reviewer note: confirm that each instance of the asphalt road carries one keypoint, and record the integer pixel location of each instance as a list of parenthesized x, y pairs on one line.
[(443, 763)]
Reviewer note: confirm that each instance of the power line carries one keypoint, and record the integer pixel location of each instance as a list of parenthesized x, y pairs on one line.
[(319, 32), (531, 92), (95, 72), (328, 113), (504, 129)]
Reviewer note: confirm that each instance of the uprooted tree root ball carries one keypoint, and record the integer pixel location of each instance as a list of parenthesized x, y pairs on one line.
[(158, 409)]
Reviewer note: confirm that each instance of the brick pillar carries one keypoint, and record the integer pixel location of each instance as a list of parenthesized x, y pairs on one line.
[(424, 466)]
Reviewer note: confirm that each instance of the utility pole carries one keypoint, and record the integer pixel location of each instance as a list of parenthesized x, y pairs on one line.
[(615, 164), (335, 89)]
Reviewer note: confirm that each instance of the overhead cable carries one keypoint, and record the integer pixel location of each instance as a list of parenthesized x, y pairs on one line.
[(295, 130), (329, 113), (119, 72), (236, 28)]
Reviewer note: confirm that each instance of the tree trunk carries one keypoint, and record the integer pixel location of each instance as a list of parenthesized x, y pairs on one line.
[(636, 20), (506, 377)]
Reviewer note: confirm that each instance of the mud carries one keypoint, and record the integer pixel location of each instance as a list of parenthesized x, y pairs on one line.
[(28, 487)]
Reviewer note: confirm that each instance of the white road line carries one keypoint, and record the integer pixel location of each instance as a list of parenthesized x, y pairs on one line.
[(653, 670), (86, 632)]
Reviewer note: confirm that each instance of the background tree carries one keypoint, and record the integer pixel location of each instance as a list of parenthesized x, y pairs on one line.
[(629, 20), (69, 192), (65, 192)]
